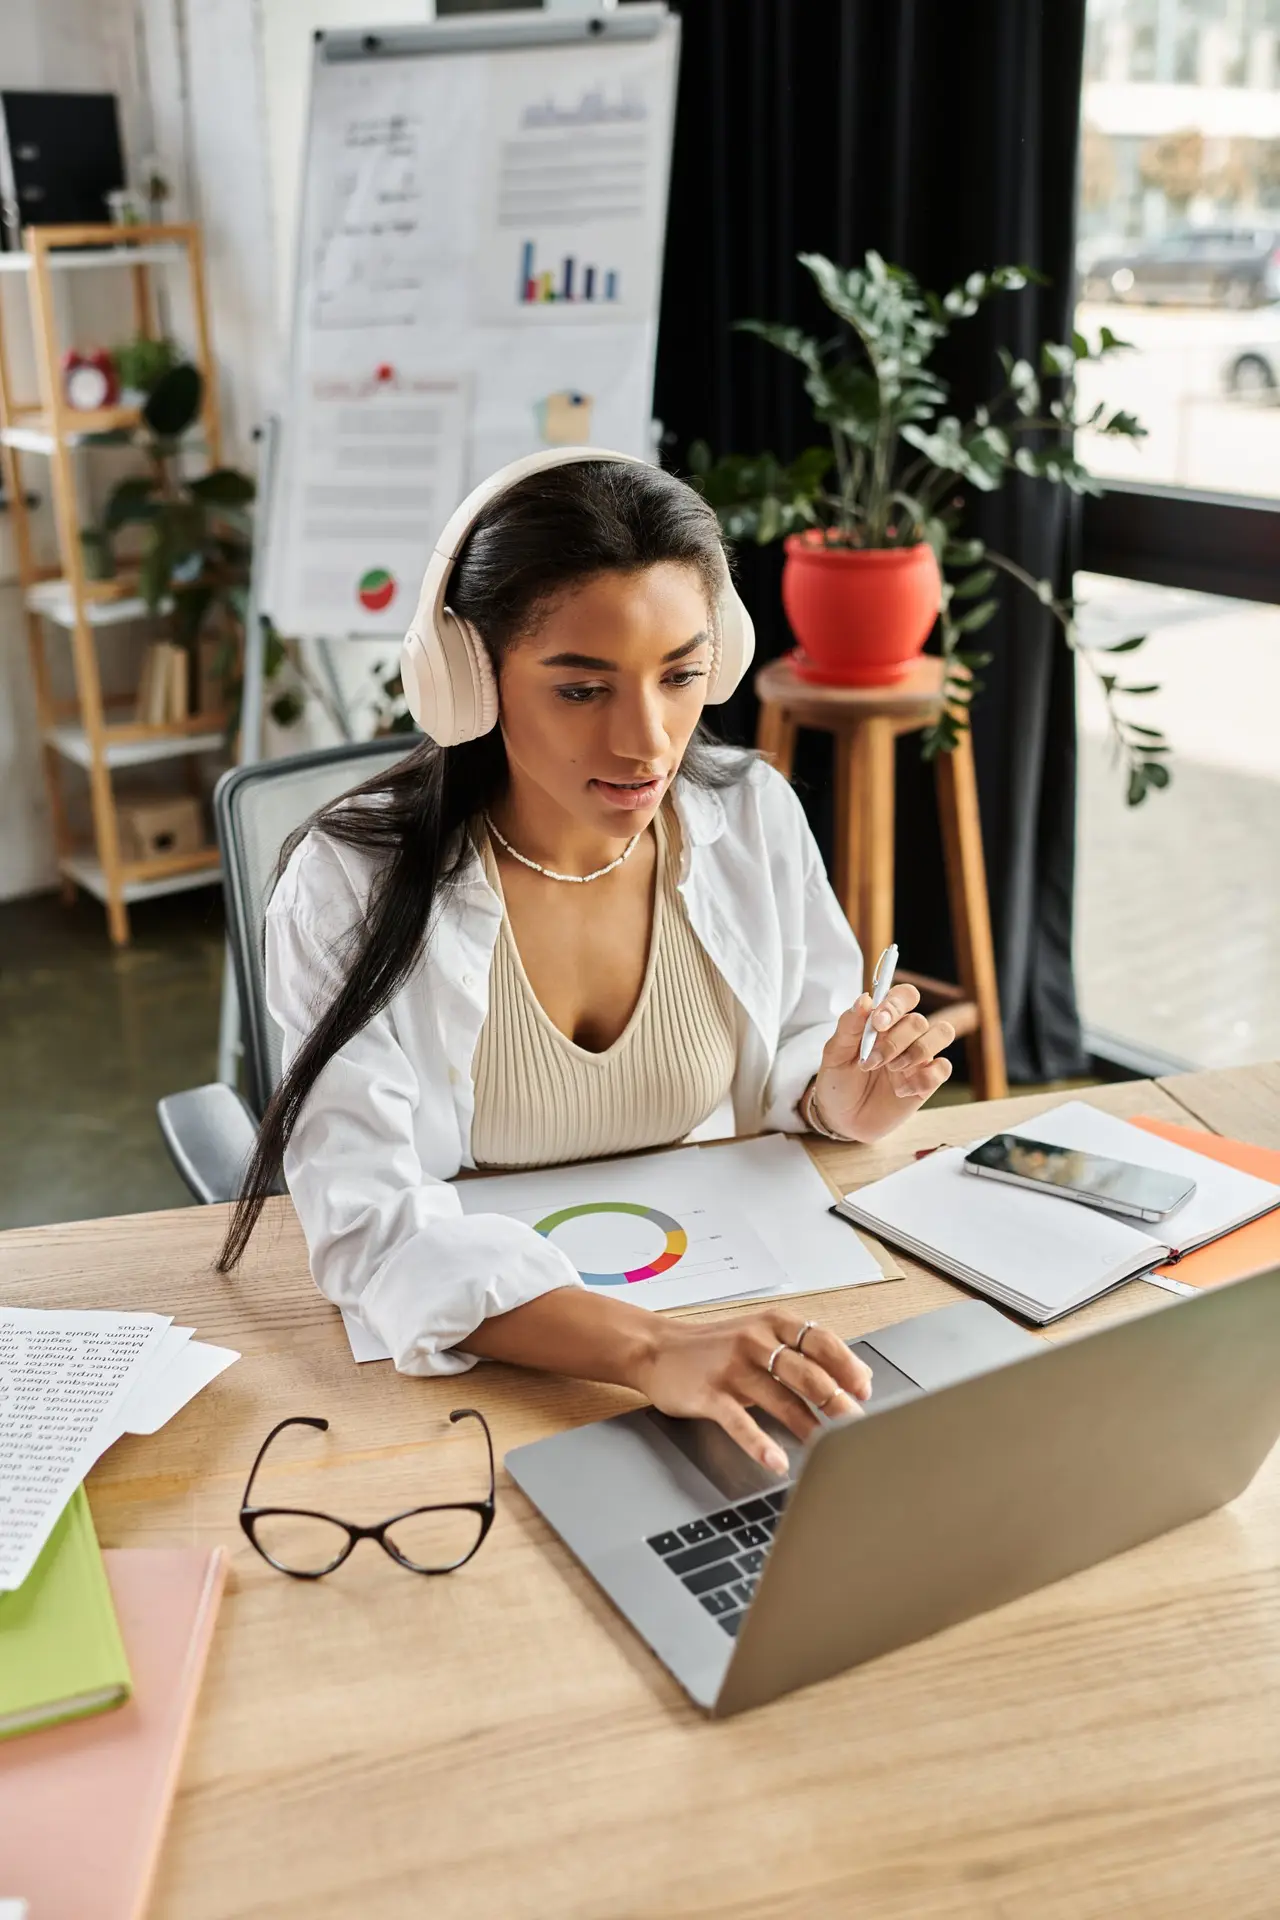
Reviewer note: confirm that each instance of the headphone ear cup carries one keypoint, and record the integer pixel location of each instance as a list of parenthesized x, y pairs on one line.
[(484, 684), (735, 645), (449, 684)]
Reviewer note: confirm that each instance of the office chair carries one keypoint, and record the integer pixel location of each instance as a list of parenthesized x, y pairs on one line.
[(210, 1130)]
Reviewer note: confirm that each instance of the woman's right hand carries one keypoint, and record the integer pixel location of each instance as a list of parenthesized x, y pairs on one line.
[(716, 1370)]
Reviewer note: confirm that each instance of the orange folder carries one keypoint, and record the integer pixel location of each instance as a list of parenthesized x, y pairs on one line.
[(83, 1806), (1249, 1249)]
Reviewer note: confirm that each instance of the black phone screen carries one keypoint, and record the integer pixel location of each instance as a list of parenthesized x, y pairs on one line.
[(1072, 1171)]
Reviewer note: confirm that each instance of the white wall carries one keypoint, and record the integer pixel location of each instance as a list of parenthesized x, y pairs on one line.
[(73, 45)]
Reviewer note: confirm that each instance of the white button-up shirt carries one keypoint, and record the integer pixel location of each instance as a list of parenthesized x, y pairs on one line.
[(388, 1123)]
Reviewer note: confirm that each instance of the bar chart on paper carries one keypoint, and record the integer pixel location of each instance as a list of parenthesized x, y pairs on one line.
[(572, 280)]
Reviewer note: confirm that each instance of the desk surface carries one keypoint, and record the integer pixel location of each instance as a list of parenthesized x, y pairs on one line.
[(499, 1744)]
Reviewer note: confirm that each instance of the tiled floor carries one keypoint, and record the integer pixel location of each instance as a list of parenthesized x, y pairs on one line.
[(89, 1040)]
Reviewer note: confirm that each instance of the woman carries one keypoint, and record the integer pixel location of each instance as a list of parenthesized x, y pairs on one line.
[(585, 932)]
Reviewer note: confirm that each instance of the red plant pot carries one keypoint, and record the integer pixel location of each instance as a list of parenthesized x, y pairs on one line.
[(861, 615)]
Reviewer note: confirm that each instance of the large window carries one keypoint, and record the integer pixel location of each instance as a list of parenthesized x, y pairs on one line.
[(1179, 237), (1178, 948)]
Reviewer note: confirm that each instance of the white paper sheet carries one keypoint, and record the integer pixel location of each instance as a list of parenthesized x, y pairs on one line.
[(749, 1218), (774, 1183), (571, 212), (178, 1376), (63, 1379), (382, 448)]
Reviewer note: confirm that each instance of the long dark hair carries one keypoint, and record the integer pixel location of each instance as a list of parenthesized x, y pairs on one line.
[(550, 531)]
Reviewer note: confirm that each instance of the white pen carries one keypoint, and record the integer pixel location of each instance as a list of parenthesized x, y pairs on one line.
[(886, 966)]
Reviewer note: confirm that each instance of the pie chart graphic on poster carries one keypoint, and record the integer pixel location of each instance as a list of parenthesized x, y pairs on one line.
[(615, 1242), (377, 589)]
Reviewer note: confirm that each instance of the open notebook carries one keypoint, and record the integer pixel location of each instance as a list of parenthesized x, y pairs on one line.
[(1037, 1253)]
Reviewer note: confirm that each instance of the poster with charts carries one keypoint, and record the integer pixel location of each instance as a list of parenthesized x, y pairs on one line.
[(575, 192), (479, 220)]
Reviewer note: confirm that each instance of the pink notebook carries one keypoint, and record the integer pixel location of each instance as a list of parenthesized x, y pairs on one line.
[(83, 1807)]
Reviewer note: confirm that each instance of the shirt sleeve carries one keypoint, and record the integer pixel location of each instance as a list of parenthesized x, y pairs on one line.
[(384, 1236), (825, 974)]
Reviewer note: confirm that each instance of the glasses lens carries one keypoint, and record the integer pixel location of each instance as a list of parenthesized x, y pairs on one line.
[(433, 1540), (300, 1542)]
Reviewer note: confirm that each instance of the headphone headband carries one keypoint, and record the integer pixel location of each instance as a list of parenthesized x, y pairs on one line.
[(454, 533), (445, 667)]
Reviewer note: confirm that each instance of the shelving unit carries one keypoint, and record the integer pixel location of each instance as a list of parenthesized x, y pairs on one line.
[(64, 599)]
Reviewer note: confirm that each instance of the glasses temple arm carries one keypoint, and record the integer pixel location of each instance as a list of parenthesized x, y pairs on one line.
[(474, 1413), (294, 1420)]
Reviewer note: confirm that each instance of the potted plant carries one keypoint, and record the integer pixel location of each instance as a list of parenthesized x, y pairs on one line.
[(876, 552), (141, 364), (197, 535)]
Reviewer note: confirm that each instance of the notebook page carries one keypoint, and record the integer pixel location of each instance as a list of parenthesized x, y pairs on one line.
[(63, 1379), (1033, 1245), (1224, 1197)]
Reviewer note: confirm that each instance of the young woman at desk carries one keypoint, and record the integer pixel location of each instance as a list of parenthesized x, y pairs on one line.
[(573, 928)]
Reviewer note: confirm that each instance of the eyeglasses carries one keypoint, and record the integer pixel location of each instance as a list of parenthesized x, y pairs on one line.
[(307, 1545)]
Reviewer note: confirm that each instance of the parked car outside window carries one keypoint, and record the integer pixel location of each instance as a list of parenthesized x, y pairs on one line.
[(1210, 266)]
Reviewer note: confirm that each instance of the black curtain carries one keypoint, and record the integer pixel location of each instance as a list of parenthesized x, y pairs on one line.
[(944, 136)]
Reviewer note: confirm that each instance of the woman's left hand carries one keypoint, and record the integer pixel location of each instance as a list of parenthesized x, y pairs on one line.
[(866, 1102)]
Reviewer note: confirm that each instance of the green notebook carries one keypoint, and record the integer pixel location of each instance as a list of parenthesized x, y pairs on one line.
[(61, 1655)]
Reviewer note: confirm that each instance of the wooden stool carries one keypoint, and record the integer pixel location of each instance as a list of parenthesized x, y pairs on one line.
[(865, 722)]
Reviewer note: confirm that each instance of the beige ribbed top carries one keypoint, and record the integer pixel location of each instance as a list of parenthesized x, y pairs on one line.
[(540, 1099)]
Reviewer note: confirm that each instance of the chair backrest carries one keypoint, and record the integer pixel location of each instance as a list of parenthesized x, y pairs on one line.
[(255, 809)]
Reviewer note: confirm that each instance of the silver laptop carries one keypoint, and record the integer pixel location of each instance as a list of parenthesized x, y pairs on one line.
[(987, 1464)]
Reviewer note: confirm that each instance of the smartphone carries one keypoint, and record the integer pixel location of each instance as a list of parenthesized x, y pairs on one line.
[(1139, 1193)]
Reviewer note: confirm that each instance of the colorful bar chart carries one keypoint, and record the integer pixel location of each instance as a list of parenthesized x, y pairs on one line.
[(574, 283)]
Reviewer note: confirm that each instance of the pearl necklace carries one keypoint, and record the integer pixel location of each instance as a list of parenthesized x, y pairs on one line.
[(577, 879)]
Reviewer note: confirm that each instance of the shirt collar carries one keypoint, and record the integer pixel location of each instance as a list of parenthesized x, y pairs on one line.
[(700, 811)]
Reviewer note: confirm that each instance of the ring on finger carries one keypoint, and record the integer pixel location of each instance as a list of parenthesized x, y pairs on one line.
[(798, 1343), (781, 1347)]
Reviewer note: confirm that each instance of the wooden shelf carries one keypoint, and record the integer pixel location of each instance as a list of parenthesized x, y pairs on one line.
[(32, 430), (136, 746), (98, 732), (111, 603), (106, 246), (147, 881)]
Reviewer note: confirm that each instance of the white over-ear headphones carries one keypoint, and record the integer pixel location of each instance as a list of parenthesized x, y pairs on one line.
[(445, 668)]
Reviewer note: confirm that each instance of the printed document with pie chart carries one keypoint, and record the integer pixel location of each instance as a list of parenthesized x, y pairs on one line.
[(655, 1258), (745, 1220)]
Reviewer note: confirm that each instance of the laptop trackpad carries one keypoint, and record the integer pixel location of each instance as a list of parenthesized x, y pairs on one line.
[(732, 1472)]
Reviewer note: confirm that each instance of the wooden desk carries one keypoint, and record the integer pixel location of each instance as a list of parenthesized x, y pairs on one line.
[(498, 1744)]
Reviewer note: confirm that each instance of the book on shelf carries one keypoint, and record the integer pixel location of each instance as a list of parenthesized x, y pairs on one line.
[(179, 684), (164, 685), (150, 682)]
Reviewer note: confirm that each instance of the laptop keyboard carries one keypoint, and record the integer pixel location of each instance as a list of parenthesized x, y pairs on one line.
[(719, 1558)]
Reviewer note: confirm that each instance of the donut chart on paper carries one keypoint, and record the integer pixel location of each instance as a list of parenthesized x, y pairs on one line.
[(676, 1238)]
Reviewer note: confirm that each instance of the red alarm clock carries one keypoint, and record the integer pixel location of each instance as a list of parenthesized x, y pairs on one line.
[(89, 380)]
